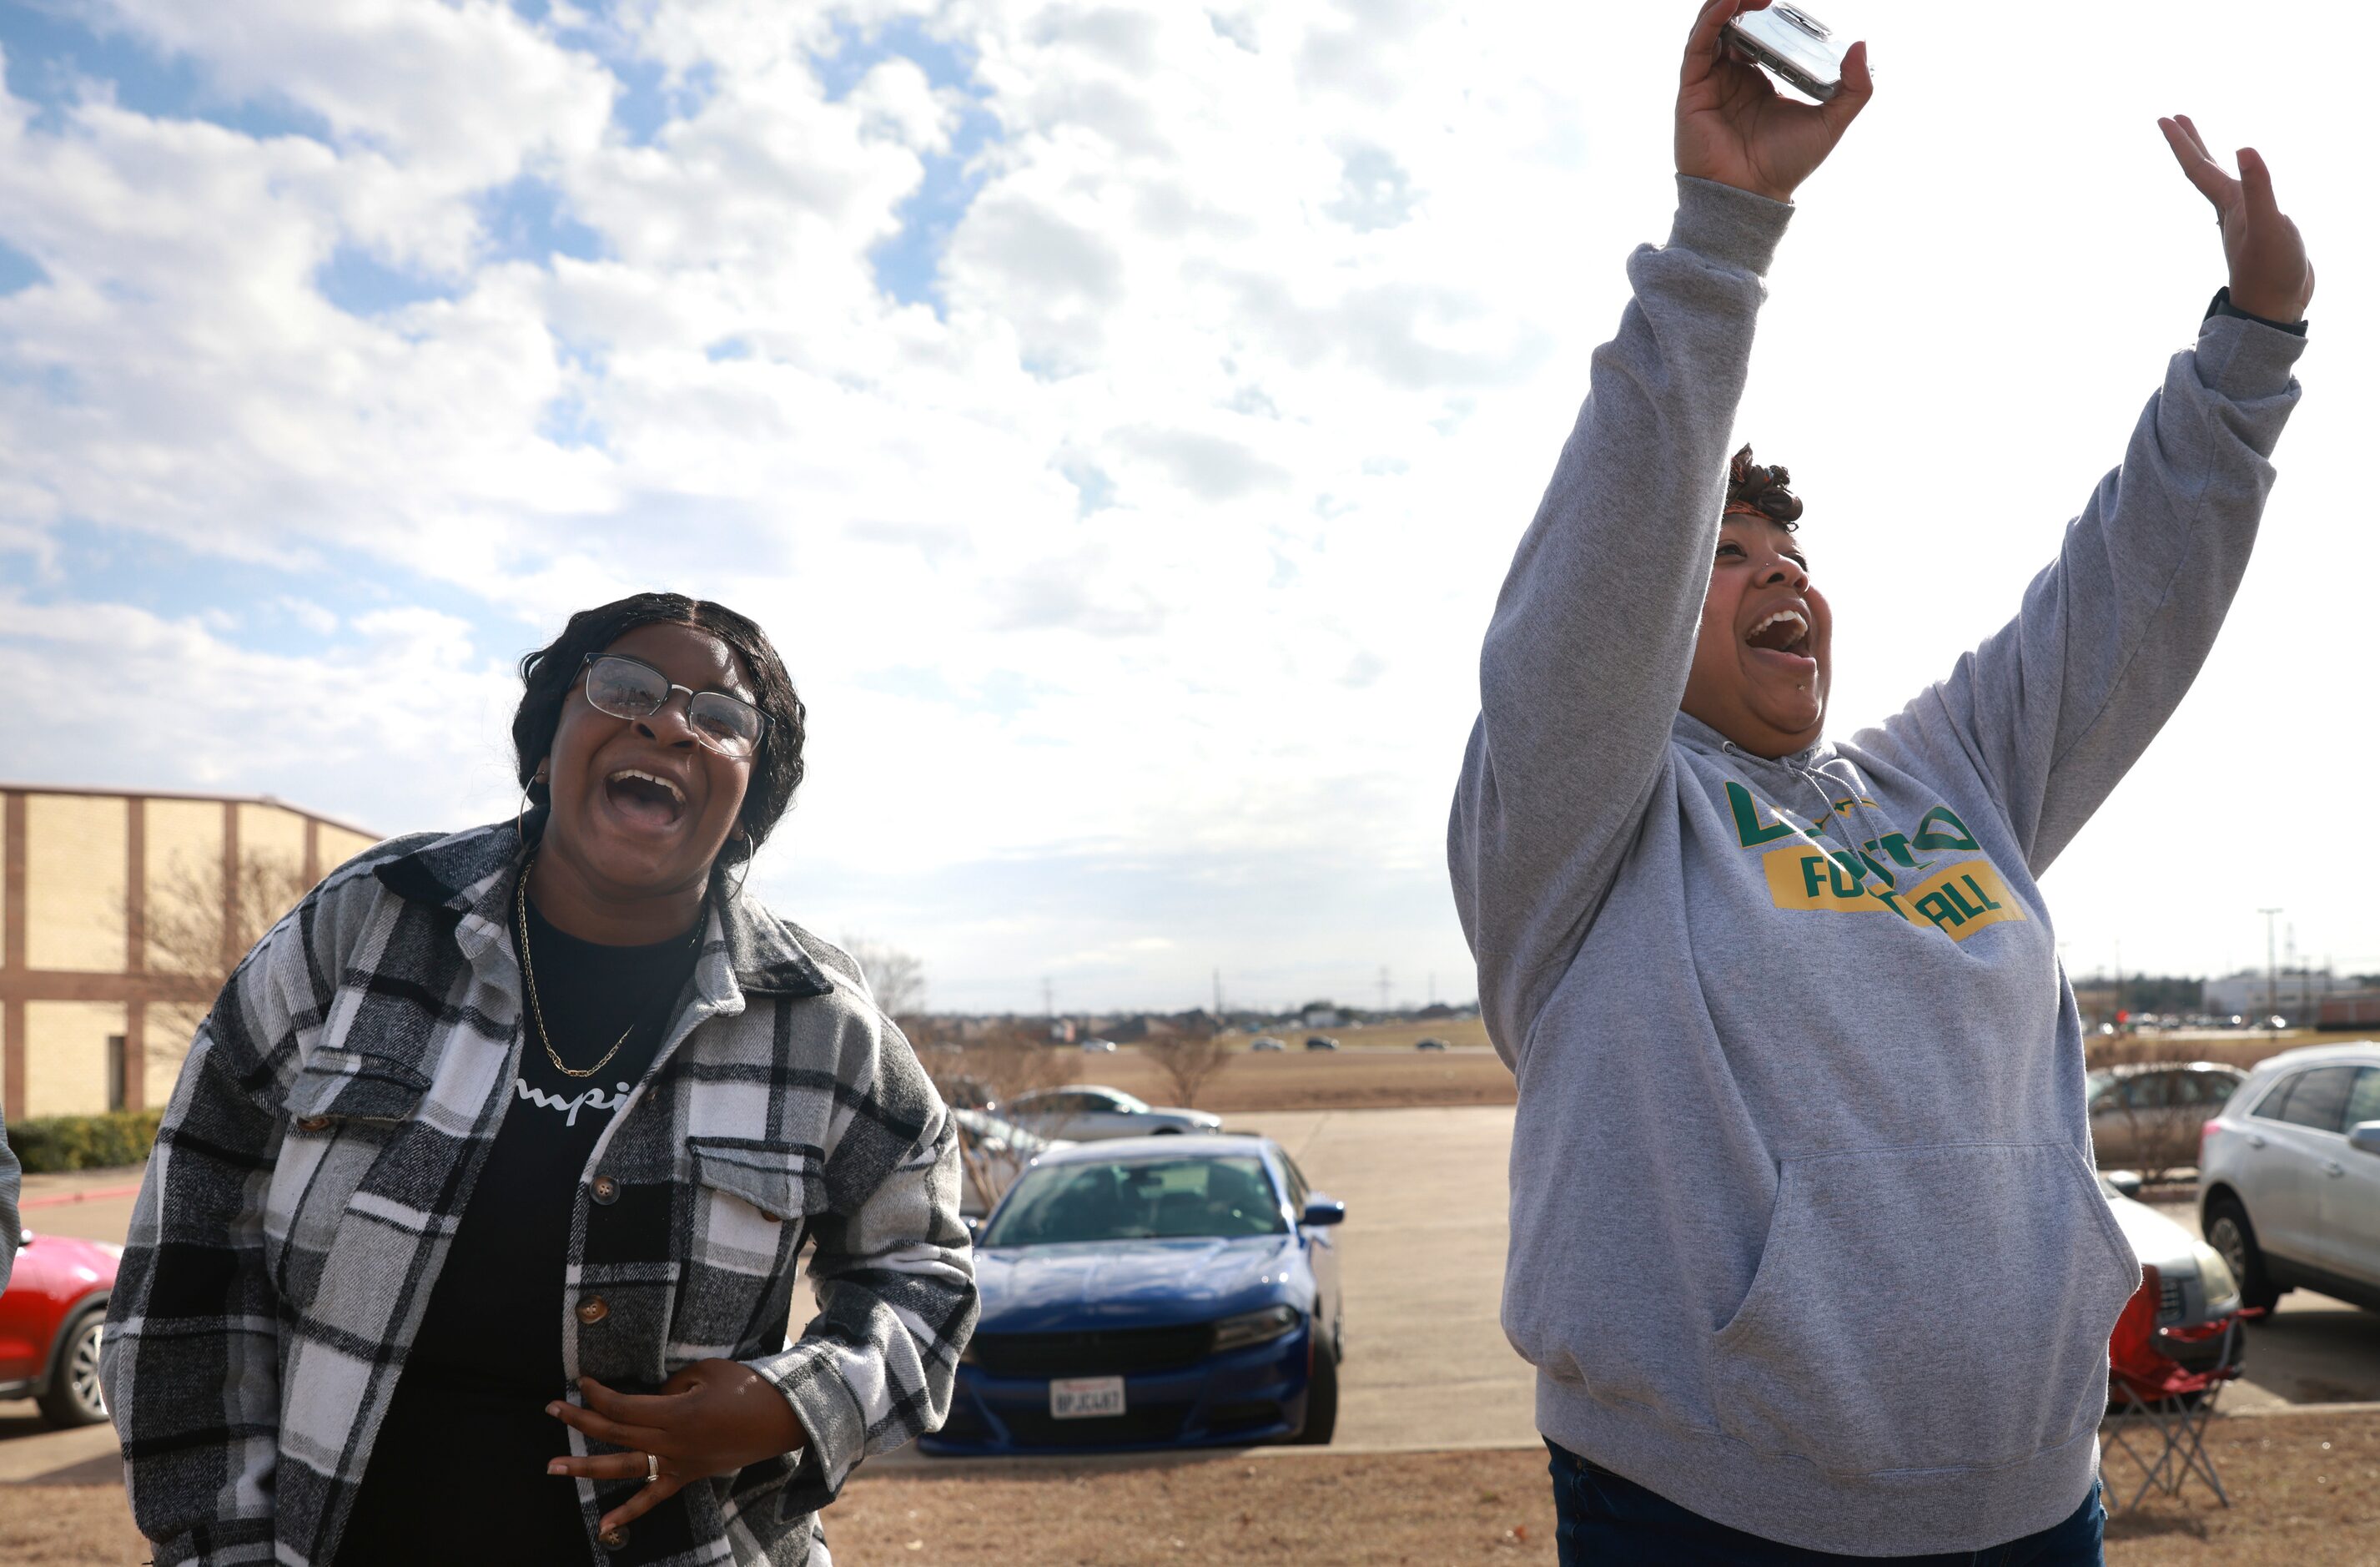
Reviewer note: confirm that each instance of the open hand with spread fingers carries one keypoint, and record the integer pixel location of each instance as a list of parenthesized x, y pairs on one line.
[(712, 1418), (1735, 128), (2270, 274)]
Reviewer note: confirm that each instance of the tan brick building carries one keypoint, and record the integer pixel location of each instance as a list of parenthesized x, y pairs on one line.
[(122, 913)]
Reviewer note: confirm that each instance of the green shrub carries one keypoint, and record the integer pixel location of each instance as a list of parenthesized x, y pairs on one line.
[(49, 1143)]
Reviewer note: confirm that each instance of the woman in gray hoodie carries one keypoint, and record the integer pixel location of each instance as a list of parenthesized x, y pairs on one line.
[(1805, 1243)]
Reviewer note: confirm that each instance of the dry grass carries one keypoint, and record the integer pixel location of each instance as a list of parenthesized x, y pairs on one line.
[(1374, 1069), (2306, 1490), (2242, 1050)]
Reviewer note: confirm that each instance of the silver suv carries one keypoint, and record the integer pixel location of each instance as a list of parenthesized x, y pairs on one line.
[(2288, 1175)]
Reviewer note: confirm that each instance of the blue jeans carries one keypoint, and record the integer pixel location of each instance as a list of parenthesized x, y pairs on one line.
[(1604, 1520)]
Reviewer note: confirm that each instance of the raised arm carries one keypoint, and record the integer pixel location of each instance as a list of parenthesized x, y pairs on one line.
[(1588, 652), (2055, 708)]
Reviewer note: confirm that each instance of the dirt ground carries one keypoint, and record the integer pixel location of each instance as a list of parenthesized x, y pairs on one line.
[(2306, 1489), (1374, 1069)]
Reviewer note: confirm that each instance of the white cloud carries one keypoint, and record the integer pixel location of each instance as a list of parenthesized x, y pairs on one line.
[(1137, 592)]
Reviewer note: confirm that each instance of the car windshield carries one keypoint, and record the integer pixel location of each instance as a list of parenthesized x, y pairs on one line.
[(1137, 1200)]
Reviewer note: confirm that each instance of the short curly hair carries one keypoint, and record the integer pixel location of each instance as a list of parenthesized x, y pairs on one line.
[(1762, 489), (551, 674)]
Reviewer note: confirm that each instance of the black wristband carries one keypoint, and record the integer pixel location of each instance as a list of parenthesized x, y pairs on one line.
[(2223, 306)]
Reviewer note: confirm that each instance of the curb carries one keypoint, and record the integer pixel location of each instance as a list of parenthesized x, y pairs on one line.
[(910, 1464), (2367, 1407), (103, 1194)]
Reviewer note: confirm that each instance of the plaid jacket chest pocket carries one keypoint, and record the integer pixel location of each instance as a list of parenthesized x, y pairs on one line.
[(753, 1203), (347, 1111)]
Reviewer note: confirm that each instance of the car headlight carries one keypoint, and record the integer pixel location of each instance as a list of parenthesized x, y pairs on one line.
[(1256, 1327), (2215, 1277)]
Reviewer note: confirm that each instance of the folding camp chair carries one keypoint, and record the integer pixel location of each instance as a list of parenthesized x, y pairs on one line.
[(2152, 1396)]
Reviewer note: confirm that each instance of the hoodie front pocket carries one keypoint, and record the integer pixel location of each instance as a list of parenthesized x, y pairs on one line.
[(1926, 1308)]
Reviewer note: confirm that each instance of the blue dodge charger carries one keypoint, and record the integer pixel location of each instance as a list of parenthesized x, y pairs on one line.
[(1153, 1292)]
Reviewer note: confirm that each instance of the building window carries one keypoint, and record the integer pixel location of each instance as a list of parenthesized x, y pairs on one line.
[(118, 1067)]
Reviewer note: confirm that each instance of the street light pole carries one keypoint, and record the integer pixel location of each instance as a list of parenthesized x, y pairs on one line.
[(2272, 998)]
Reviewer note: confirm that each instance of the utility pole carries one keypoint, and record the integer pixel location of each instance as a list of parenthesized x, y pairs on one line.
[(2272, 978), (1384, 987), (1219, 995)]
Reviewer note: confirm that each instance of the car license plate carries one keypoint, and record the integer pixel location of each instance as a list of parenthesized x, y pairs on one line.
[(1083, 1397)]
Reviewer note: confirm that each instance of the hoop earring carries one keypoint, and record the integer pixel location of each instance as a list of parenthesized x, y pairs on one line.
[(520, 834)]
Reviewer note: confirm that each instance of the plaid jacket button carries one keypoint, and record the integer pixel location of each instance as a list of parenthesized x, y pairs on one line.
[(613, 1539), (769, 1216), (313, 1122), (605, 1190), (593, 1310)]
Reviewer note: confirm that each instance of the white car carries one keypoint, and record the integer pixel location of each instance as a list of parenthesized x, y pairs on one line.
[(2288, 1175), (1266, 1042), (1088, 1112), (1099, 1047)]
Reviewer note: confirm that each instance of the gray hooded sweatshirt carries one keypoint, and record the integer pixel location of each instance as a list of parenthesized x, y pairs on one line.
[(1804, 1231)]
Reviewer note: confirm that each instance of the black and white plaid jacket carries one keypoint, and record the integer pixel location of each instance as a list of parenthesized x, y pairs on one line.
[(320, 1148)]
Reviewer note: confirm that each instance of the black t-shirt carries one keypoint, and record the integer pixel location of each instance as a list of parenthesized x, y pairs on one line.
[(457, 1473)]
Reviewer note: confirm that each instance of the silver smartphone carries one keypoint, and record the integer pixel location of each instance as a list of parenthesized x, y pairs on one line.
[(1795, 45)]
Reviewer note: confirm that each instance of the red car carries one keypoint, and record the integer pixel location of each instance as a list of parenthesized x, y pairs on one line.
[(50, 1318)]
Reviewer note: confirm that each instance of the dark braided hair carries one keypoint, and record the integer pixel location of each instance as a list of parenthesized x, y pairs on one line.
[(1762, 489)]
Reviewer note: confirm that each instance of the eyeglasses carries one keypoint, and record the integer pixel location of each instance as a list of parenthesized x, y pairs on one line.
[(628, 687)]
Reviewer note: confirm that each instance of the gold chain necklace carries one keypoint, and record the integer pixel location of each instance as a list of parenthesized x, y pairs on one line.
[(529, 979)]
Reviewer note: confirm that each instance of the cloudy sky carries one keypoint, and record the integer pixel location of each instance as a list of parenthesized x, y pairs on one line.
[(1120, 415)]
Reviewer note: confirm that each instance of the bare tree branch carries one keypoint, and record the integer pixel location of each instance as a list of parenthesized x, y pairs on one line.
[(198, 931), (1189, 1061), (896, 978)]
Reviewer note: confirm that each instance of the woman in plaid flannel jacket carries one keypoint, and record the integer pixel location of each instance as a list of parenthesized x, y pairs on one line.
[(321, 1145)]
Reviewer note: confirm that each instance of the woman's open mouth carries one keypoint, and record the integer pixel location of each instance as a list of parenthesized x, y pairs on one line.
[(1782, 642), (644, 800)]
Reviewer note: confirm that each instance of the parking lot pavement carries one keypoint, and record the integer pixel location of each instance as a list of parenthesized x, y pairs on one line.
[(1422, 1265), (2310, 1350)]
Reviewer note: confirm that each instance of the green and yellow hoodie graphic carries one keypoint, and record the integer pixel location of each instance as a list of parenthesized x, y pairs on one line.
[(1804, 1231)]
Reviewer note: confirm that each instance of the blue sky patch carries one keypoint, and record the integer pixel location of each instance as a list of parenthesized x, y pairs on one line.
[(648, 101), (54, 60), (268, 607), (18, 271), (363, 285), (529, 220), (908, 266)]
